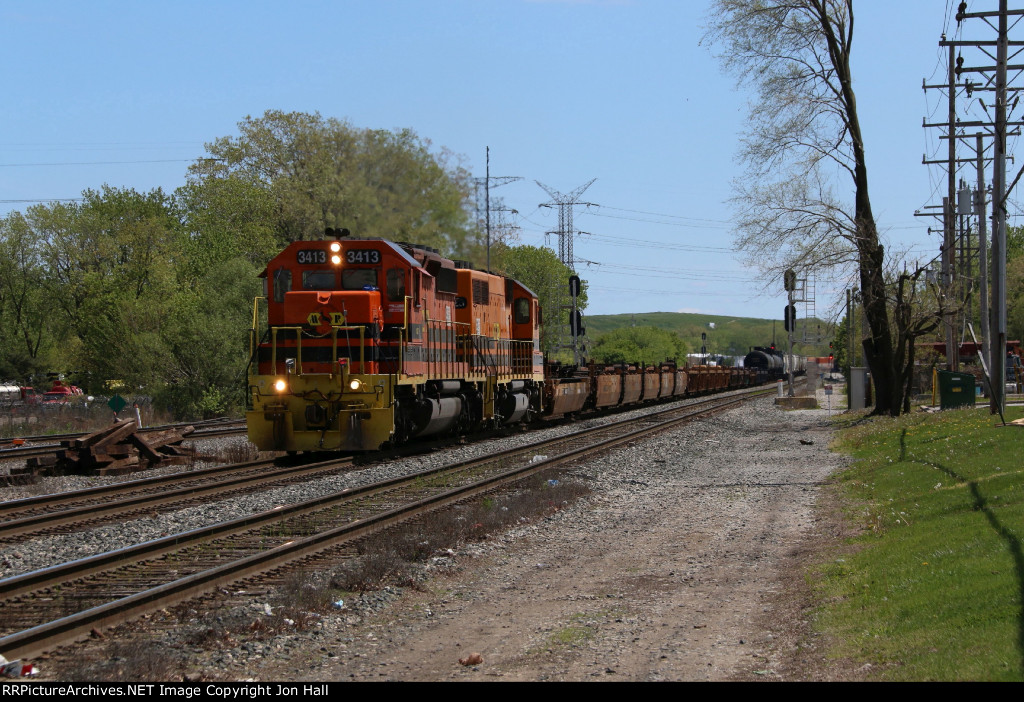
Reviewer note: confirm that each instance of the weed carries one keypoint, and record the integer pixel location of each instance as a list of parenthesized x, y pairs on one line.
[(570, 636), (129, 661), (391, 557), (238, 453)]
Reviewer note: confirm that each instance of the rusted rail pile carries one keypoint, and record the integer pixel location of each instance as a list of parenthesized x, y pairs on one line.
[(118, 449)]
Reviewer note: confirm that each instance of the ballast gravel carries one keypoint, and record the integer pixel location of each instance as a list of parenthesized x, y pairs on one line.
[(46, 551), (676, 567)]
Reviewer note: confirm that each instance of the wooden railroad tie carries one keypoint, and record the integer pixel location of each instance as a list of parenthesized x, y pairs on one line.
[(115, 450)]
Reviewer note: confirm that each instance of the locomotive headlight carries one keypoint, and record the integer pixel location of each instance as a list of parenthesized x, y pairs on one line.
[(335, 247), (336, 259), (355, 385), (280, 385)]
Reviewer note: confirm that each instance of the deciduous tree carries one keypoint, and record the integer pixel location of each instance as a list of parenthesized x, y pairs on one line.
[(27, 322), (540, 270), (326, 173), (640, 345), (803, 145)]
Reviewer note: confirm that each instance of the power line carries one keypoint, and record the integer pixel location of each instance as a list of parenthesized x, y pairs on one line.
[(671, 224), (101, 163), (44, 199)]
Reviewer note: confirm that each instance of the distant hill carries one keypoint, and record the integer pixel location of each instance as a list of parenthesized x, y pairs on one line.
[(731, 336)]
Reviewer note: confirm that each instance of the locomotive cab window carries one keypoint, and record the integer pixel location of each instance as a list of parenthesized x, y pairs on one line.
[(522, 310), (359, 279), (318, 280), (282, 283), (396, 284)]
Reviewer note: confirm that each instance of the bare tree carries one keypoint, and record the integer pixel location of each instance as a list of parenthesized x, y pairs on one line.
[(804, 143)]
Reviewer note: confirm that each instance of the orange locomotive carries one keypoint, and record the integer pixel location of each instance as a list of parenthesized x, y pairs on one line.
[(371, 342)]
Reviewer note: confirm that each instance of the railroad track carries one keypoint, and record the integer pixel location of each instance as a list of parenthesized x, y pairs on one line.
[(44, 609), (70, 512)]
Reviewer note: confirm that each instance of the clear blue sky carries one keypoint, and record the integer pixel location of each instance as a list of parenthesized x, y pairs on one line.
[(562, 91)]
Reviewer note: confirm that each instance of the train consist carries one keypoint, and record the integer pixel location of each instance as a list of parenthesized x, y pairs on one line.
[(370, 343)]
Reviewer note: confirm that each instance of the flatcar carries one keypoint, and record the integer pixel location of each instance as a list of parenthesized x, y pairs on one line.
[(369, 343)]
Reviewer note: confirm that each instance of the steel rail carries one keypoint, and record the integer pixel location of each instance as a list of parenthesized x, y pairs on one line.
[(93, 512), (37, 639)]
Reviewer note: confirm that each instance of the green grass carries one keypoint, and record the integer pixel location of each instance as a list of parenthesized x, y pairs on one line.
[(935, 588)]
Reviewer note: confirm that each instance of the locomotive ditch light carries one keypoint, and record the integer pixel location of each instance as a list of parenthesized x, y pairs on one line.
[(280, 385), (355, 385)]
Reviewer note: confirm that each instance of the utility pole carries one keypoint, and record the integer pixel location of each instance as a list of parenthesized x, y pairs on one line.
[(949, 225), (983, 306), (998, 357), (488, 182), (995, 81), (948, 209)]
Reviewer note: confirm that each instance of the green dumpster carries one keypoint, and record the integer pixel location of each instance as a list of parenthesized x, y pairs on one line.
[(955, 390)]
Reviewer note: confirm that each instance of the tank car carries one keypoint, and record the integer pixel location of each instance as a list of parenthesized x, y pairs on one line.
[(766, 361), (370, 342)]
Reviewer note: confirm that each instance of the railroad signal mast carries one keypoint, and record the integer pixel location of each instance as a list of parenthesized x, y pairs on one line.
[(789, 315)]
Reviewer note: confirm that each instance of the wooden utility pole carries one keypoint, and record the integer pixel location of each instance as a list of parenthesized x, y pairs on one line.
[(993, 80)]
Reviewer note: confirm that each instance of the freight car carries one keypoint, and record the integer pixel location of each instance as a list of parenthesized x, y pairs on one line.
[(369, 343), (770, 364)]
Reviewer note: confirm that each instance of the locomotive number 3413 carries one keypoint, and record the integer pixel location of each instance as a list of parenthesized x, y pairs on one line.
[(362, 256)]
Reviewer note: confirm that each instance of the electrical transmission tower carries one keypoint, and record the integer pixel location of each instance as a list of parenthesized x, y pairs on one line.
[(483, 202), (565, 203)]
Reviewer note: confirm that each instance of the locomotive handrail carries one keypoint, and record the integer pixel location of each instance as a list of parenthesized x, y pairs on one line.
[(334, 353), (255, 325)]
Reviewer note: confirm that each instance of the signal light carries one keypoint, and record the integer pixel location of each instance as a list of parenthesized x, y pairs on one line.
[(789, 315)]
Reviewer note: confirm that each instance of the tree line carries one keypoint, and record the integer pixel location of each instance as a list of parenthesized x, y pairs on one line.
[(155, 290)]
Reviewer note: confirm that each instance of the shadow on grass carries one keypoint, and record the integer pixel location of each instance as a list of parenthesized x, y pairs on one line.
[(981, 505)]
